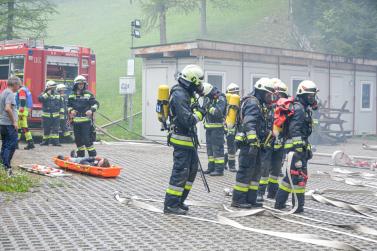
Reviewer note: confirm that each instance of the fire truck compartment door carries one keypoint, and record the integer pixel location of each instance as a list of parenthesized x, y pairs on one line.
[(61, 60)]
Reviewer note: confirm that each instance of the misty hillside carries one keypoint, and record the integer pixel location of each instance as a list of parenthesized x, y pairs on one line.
[(105, 27)]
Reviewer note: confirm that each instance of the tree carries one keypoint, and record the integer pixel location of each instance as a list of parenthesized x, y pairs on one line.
[(155, 12), (343, 27), (24, 18)]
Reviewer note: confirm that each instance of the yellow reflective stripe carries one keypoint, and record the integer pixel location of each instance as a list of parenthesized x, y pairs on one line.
[(86, 95), (173, 192), (188, 187), (219, 161), (213, 125), (181, 142), (48, 115), (90, 148), (284, 188), (263, 182), (288, 145), (299, 190), (54, 136), (277, 146), (272, 180), (241, 189), (81, 148), (80, 119), (251, 136), (252, 187), (239, 138)]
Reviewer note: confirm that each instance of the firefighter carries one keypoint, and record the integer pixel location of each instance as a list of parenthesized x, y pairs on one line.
[(299, 129), (51, 105), (250, 135), (215, 105), (183, 116), (64, 132), (24, 102), (231, 133), (81, 106), (274, 151)]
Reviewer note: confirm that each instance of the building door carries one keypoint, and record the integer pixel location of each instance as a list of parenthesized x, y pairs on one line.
[(154, 78)]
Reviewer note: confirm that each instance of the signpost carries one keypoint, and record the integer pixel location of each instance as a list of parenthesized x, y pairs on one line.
[(127, 87)]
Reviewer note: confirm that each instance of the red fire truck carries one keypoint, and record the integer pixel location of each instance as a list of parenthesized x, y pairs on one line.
[(35, 63)]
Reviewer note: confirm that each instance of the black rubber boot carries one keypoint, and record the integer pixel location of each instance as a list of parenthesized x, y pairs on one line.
[(301, 202), (239, 199), (44, 143), (57, 144), (73, 154), (272, 189), (241, 205), (174, 210), (226, 161), (183, 206), (252, 198), (211, 168), (30, 145), (281, 199), (216, 173)]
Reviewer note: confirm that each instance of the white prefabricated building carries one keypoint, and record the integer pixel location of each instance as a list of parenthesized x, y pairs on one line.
[(339, 78)]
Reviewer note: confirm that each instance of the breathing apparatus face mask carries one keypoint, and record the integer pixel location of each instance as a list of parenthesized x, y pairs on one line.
[(270, 98), (199, 89), (312, 100)]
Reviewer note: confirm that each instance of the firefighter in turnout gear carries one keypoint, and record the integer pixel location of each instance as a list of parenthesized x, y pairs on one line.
[(51, 105), (81, 106), (184, 113), (215, 105), (64, 132), (299, 129), (251, 133), (24, 102), (231, 132), (274, 151)]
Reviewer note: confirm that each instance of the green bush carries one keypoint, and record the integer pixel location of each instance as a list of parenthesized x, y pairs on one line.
[(19, 182)]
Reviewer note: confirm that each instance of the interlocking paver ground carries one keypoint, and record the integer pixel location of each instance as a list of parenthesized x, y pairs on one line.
[(79, 212)]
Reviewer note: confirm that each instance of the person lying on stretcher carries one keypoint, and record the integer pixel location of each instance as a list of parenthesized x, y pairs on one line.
[(90, 161)]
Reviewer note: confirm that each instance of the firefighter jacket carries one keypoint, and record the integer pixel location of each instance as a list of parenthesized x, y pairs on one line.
[(64, 108), (251, 124), (81, 103), (182, 119), (299, 127), (51, 104), (215, 112), (268, 113)]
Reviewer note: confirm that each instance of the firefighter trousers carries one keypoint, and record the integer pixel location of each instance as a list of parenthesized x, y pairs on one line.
[(184, 171), (64, 132), (231, 150), (299, 184), (247, 177), (266, 162), (51, 129), (277, 160), (23, 128), (83, 138), (215, 149)]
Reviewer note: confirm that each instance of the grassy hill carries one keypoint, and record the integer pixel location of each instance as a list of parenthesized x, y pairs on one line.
[(104, 26)]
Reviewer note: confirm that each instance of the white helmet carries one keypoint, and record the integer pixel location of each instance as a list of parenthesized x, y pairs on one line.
[(79, 79), (207, 88), (232, 88), (307, 86), (193, 74), (265, 84), (280, 86), (61, 87), (50, 84)]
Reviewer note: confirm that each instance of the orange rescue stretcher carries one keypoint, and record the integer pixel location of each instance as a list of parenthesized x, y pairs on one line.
[(106, 172)]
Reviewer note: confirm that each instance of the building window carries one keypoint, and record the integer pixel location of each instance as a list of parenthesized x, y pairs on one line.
[(216, 79), (295, 83), (366, 97)]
